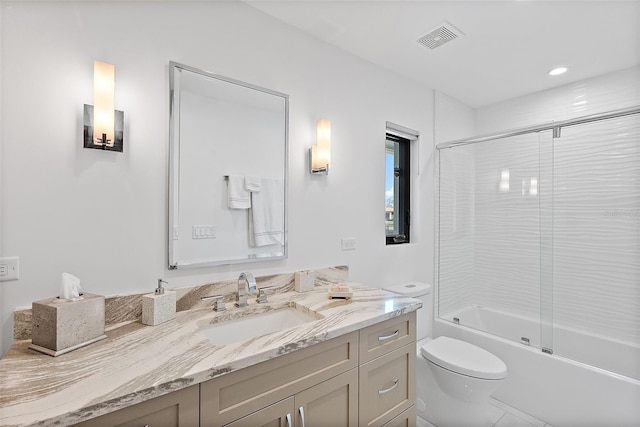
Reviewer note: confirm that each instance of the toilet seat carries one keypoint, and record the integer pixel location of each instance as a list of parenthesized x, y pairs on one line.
[(464, 358)]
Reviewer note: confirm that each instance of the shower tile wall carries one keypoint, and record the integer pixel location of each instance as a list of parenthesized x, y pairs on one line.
[(597, 228), (603, 93)]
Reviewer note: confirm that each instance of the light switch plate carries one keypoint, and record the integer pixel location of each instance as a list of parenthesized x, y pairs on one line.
[(203, 232), (9, 268)]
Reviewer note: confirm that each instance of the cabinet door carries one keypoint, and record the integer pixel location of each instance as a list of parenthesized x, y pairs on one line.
[(177, 409), (331, 403), (277, 415)]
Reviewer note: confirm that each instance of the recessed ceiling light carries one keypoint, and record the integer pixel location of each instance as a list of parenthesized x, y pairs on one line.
[(558, 71)]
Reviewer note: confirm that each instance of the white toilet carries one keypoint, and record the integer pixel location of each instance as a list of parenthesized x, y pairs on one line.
[(454, 378)]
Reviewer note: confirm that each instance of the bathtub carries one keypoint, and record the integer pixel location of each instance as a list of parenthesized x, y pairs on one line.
[(560, 390)]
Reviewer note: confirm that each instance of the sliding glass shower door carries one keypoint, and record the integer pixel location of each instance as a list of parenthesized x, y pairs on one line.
[(538, 239), (489, 236)]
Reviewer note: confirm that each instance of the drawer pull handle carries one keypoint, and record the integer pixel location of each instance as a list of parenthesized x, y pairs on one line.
[(388, 337), (387, 390), (301, 410), (288, 417)]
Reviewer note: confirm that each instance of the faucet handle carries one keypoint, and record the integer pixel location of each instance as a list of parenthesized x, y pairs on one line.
[(262, 294), (218, 302)]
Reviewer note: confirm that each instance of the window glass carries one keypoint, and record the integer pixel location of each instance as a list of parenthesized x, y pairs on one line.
[(397, 180)]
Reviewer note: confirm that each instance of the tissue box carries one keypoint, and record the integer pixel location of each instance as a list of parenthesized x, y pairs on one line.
[(304, 280), (60, 325)]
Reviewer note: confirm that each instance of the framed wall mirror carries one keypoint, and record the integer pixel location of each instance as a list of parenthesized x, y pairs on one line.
[(227, 170)]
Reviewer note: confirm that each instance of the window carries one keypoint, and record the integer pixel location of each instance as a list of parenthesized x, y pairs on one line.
[(397, 211)]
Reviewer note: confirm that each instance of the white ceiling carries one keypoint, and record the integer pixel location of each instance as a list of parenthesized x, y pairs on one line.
[(508, 47)]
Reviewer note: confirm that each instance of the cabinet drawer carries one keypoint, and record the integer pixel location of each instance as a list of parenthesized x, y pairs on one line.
[(177, 409), (387, 386), (383, 337), (234, 395), (405, 419)]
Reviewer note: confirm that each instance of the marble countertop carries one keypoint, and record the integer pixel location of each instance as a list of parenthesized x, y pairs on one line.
[(137, 362)]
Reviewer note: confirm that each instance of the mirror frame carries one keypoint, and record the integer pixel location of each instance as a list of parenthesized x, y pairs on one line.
[(174, 163)]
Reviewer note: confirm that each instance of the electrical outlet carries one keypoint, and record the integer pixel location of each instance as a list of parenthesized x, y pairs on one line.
[(348, 243), (9, 268)]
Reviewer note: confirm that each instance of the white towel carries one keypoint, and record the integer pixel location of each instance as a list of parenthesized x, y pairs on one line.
[(238, 196), (252, 183), (266, 216)]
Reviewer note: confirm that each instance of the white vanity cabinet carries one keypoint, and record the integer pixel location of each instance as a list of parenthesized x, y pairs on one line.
[(365, 378)]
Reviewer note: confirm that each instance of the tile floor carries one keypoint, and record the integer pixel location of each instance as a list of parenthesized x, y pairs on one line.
[(503, 415)]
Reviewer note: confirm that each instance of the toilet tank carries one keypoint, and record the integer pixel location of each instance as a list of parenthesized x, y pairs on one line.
[(421, 291)]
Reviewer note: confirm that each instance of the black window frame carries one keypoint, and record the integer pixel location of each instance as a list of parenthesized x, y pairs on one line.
[(403, 197)]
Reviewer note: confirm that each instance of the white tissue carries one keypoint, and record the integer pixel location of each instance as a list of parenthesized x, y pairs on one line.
[(69, 286)]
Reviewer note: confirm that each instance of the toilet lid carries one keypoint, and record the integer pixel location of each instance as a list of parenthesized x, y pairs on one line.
[(464, 358)]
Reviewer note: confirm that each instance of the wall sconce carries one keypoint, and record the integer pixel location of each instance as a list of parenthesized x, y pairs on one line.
[(103, 124), (320, 154)]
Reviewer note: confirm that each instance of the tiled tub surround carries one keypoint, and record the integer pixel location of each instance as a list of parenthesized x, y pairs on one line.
[(138, 362)]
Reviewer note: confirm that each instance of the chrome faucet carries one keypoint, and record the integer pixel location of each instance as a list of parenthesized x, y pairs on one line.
[(250, 281)]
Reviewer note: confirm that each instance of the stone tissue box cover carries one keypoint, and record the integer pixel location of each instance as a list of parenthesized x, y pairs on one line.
[(61, 325)]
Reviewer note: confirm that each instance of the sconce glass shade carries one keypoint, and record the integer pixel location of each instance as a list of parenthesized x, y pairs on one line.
[(103, 124), (104, 101), (321, 152)]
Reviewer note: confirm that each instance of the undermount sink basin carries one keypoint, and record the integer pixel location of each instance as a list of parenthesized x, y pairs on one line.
[(253, 326)]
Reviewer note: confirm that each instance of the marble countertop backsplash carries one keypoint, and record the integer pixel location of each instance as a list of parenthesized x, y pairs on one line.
[(126, 308), (137, 362)]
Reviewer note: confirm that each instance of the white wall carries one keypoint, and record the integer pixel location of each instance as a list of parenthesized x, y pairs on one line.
[(452, 119), (102, 216)]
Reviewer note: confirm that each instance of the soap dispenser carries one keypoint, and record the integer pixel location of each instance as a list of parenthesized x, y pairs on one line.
[(158, 307)]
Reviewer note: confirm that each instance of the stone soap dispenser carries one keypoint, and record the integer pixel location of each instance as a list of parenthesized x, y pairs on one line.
[(158, 307)]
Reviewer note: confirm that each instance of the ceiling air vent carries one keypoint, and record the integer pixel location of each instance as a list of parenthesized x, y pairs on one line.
[(443, 33)]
